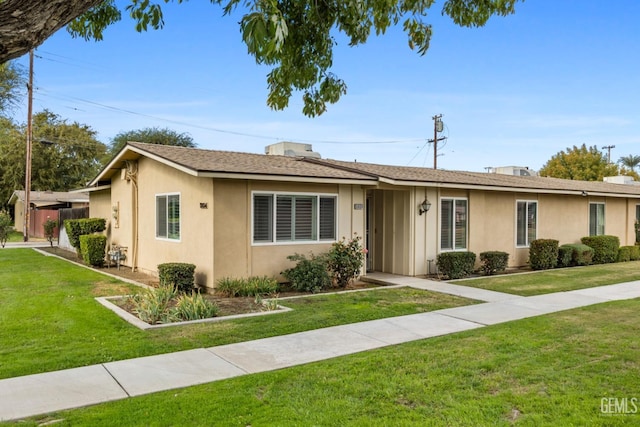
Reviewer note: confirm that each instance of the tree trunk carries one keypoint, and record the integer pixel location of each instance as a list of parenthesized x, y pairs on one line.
[(25, 24)]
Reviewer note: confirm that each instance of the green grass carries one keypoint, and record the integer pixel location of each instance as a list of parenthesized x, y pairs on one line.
[(49, 319), (550, 370), (15, 236), (558, 280)]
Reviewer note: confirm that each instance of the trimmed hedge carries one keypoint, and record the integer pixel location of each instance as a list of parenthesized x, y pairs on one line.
[(565, 254), (579, 254), (309, 274), (543, 254), (181, 275), (456, 265), (624, 254), (92, 249), (78, 227), (494, 262), (634, 252), (605, 248)]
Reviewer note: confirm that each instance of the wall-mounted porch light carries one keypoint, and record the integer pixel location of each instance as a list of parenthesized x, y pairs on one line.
[(424, 207)]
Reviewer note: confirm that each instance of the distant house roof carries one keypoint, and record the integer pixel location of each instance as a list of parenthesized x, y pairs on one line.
[(227, 164), (49, 198)]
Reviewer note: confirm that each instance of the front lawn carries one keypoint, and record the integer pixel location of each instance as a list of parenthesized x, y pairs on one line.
[(558, 280), (49, 319), (565, 369)]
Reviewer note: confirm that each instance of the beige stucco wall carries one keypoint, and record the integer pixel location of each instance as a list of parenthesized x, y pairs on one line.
[(19, 216)]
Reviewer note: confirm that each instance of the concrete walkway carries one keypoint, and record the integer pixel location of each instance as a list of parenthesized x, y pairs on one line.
[(53, 391)]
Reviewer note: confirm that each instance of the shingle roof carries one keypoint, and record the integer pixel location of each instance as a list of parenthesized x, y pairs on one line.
[(200, 160), (48, 197)]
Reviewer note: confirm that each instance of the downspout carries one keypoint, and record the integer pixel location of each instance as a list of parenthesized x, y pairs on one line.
[(132, 176)]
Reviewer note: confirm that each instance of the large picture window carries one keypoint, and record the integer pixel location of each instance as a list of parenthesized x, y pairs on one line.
[(285, 217), (168, 216), (526, 222), (596, 219), (453, 224)]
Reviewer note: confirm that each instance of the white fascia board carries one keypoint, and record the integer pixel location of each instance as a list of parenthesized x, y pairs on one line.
[(284, 178)]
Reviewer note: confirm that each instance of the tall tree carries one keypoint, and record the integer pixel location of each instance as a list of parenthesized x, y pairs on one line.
[(293, 37), (65, 155), (12, 86), (630, 161), (153, 135), (582, 163)]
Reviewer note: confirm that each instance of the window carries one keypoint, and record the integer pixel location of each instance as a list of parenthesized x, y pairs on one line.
[(284, 217), (453, 224), (638, 213), (526, 222), (168, 216), (596, 219)]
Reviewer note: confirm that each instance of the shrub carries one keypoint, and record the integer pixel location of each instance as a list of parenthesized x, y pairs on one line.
[(634, 252), (494, 262), (178, 274), (153, 305), (580, 254), (246, 287), (456, 265), (49, 230), (79, 227), (605, 248), (543, 254), (194, 307), (344, 261), (92, 248), (5, 227), (624, 254), (309, 274), (565, 253)]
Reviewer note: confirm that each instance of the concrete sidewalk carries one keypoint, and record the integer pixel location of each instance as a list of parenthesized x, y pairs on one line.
[(53, 391)]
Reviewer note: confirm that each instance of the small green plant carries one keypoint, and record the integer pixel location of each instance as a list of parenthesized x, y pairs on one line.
[(456, 265), (92, 248), (252, 286), (309, 274), (78, 227), (565, 254), (543, 254), (194, 307), (270, 304), (579, 254), (49, 230), (179, 274), (5, 227), (624, 254), (605, 248), (634, 252), (494, 262), (345, 260), (153, 305)]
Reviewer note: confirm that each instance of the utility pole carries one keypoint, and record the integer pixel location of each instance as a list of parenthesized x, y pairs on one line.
[(438, 126), (27, 172), (608, 148)]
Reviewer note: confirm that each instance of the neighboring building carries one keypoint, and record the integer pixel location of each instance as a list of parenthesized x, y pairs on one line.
[(239, 214), (44, 205)]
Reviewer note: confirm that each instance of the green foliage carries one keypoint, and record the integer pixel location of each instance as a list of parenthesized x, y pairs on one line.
[(295, 39), (92, 248), (178, 274), (543, 254), (578, 254), (624, 254), (78, 227), (493, 262), (631, 161), (6, 226), (581, 163), (194, 307), (13, 79), (345, 260), (634, 252), (154, 305), (252, 286), (49, 230), (605, 248), (153, 135), (456, 265), (309, 274)]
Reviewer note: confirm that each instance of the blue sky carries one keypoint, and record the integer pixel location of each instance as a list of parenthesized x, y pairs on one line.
[(515, 92)]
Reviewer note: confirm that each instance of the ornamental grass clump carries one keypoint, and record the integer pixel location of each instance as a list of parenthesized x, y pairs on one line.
[(345, 260)]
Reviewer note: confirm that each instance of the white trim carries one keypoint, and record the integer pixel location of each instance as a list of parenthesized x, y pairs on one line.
[(275, 194), (155, 228), (454, 199), (526, 235)]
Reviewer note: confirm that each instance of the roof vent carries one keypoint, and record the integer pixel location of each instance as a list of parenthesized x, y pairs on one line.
[(513, 170), (621, 179), (291, 149)]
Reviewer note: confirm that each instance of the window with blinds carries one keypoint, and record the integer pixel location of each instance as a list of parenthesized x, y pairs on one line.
[(526, 222), (453, 224), (168, 216), (596, 219), (283, 217)]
